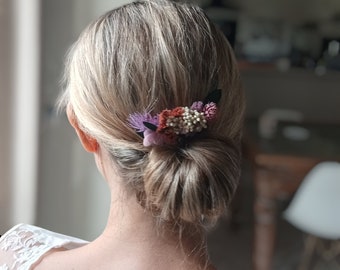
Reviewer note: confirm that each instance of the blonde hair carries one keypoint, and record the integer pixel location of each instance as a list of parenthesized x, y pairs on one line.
[(145, 57)]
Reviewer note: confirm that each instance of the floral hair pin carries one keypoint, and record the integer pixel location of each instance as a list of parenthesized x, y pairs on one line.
[(170, 125)]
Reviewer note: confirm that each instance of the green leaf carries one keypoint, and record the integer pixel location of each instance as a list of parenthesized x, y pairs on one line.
[(213, 96), (150, 126)]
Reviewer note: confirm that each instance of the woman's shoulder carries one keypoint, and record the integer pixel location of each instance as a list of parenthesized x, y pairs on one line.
[(24, 245)]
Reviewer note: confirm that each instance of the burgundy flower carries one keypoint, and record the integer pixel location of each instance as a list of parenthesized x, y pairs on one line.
[(163, 116), (177, 112)]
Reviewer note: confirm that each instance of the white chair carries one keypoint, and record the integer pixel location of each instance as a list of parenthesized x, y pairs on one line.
[(315, 210)]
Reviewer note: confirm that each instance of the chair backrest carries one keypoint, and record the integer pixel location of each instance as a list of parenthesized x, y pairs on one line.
[(315, 207)]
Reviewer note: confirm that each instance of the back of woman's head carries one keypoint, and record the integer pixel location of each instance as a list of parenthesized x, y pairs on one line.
[(149, 56)]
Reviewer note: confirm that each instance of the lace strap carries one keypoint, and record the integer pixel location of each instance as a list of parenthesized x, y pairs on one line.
[(24, 245)]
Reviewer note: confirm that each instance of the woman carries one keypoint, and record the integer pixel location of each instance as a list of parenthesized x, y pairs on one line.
[(153, 91)]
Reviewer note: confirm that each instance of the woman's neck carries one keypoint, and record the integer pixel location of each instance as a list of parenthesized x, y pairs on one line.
[(133, 230)]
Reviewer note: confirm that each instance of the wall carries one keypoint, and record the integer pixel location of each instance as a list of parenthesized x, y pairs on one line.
[(5, 113), (73, 198), (19, 58)]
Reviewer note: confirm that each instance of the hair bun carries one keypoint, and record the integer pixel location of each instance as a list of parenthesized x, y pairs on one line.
[(194, 182)]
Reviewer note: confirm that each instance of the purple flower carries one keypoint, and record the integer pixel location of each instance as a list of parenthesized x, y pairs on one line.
[(197, 105), (136, 121)]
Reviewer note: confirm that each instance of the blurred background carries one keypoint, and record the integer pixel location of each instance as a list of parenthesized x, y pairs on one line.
[(289, 57)]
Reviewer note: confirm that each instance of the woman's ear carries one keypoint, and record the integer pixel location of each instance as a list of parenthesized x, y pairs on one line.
[(90, 144)]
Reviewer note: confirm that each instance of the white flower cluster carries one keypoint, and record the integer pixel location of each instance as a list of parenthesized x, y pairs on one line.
[(191, 121)]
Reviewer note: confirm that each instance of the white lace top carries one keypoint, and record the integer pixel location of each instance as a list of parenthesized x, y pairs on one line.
[(24, 245)]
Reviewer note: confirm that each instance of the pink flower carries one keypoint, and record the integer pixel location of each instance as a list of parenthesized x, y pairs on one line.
[(152, 138), (210, 110)]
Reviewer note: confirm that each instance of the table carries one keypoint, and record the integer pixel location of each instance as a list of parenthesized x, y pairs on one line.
[(279, 165)]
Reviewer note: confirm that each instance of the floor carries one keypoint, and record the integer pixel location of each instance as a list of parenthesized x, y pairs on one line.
[(230, 243)]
